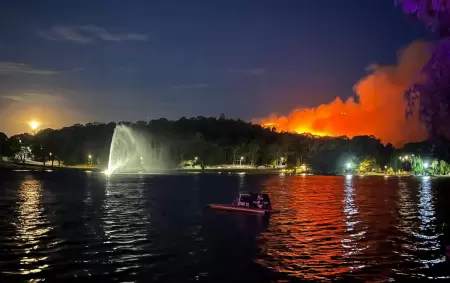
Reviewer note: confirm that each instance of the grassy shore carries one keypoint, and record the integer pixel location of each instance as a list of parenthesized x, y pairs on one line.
[(230, 170), (36, 167), (384, 174), (215, 170), (195, 170)]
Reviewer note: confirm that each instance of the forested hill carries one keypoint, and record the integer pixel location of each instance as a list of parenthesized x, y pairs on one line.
[(216, 141)]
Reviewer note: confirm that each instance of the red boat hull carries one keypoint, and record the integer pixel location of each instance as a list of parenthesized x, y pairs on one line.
[(238, 208)]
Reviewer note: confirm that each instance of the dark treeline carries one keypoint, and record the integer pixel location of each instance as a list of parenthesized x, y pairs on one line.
[(217, 141)]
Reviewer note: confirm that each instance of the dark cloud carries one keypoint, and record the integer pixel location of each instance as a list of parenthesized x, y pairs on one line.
[(88, 34)]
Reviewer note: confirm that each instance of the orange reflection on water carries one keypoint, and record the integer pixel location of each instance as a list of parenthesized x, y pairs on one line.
[(317, 234)]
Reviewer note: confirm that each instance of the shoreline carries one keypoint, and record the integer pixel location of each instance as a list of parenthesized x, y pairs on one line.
[(7, 166)]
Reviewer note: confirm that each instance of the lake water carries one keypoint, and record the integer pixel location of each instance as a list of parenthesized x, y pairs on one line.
[(158, 228)]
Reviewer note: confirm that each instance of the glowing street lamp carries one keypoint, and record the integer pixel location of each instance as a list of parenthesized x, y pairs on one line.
[(425, 165), (50, 154), (89, 159), (348, 165), (196, 158), (240, 160)]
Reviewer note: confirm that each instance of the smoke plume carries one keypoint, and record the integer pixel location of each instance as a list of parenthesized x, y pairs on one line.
[(379, 109)]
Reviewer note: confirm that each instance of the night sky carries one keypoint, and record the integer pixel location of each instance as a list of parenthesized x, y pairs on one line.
[(63, 62)]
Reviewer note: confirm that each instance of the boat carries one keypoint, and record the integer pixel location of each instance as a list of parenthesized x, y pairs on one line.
[(247, 202)]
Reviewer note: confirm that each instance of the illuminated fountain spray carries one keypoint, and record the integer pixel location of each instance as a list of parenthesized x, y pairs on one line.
[(134, 152)]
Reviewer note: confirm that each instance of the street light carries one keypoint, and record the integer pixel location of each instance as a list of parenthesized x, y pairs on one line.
[(348, 165), (196, 158), (240, 160), (50, 154), (425, 165)]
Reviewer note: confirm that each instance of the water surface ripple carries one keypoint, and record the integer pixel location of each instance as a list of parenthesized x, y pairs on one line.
[(157, 228)]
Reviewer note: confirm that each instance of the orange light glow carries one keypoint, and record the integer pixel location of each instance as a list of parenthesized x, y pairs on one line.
[(15, 117), (34, 125), (305, 130), (378, 110)]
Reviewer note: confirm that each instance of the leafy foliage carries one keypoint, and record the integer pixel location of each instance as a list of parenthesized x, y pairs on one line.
[(433, 90), (368, 164), (220, 141)]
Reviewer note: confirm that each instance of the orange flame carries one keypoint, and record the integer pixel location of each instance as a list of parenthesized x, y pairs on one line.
[(379, 109)]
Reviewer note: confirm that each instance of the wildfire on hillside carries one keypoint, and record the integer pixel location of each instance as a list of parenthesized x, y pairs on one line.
[(379, 109)]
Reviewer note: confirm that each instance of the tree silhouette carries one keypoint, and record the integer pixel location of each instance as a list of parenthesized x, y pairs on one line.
[(433, 90)]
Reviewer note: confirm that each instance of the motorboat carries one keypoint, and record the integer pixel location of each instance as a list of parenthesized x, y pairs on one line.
[(247, 202)]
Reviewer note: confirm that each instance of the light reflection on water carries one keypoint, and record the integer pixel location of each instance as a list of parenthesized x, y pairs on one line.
[(124, 224), (32, 227), (355, 230), (428, 231), (308, 235), (382, 228), (157, 228)]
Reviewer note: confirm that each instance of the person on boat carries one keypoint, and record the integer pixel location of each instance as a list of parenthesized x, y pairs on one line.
[(259, 201)]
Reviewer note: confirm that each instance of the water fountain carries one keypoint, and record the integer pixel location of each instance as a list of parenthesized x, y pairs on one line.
[(133, 151)]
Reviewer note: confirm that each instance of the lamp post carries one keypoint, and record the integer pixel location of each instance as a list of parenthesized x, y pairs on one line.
[(425, 167), (240, 160), (51, 158), (89, 159), (348, 167)]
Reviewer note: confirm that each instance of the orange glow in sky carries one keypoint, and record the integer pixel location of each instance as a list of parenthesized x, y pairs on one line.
[(378, 110), (18, 117), (34, 124)]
